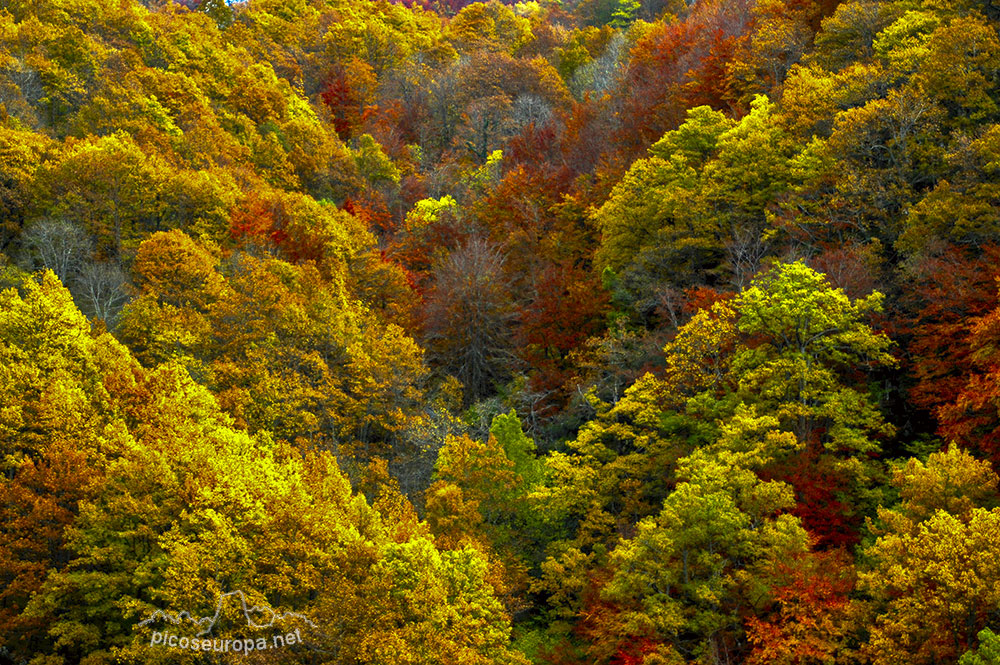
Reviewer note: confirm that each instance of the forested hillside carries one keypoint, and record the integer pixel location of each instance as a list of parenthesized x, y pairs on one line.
[(605, 332)]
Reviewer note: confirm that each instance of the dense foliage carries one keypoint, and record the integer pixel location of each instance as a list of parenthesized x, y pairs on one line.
[(614, 332)]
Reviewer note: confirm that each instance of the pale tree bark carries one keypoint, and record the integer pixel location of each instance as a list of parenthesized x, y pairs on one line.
[(58, 245), (101, 291)]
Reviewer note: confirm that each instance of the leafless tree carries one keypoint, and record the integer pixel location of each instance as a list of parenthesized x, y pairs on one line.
[(530, 109), (59, 245), (670, 305), (600, 74), (745, 251), (486, 123), (469, 316), (20, 89), (101, 291), (444, 107), (416, 452)]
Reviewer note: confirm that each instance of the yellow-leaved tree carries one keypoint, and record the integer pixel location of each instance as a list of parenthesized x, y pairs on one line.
[(128, 490)]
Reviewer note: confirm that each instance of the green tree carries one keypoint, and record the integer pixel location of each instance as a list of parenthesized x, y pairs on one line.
[(987, 653), (809, 336), (687, 575)]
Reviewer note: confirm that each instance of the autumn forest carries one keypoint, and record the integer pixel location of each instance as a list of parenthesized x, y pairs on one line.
[(564, 332)]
